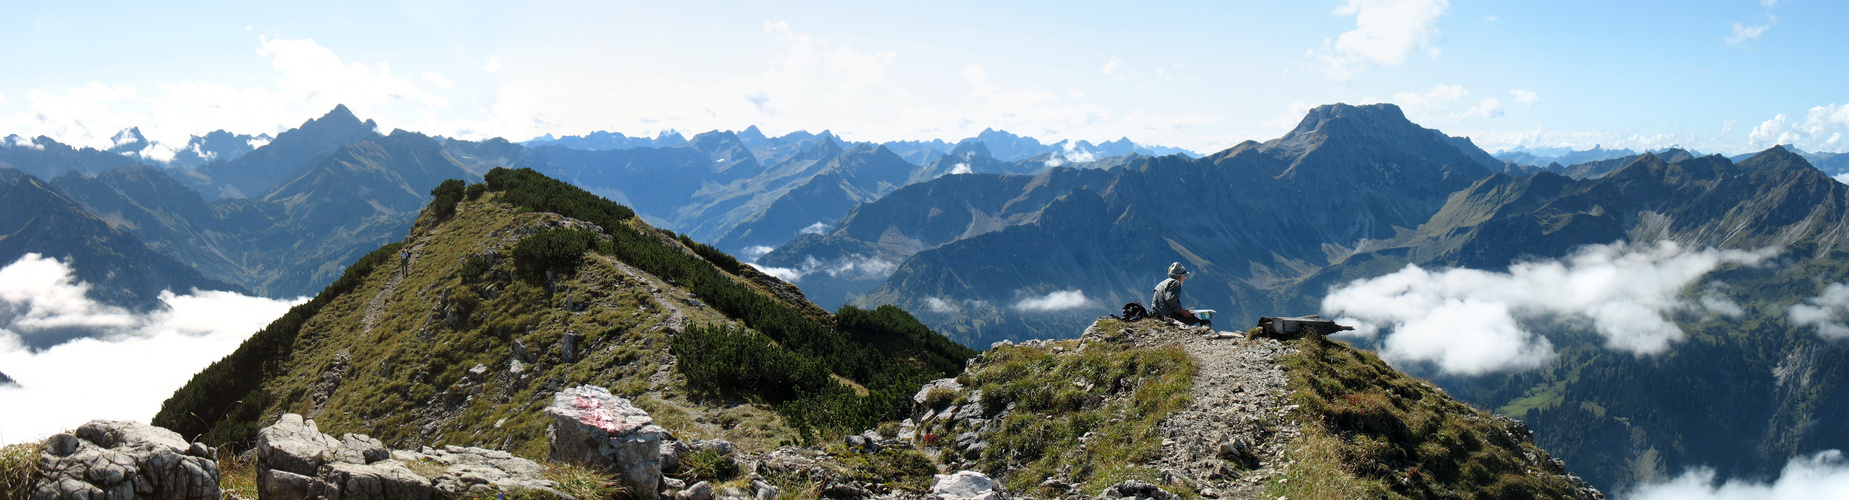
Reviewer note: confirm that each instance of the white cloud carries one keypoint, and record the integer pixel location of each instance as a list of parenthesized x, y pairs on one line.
[(1742, 33), (1488, 108), (1470, 321), (314, 74), (437, 80), (18, 141), (147, 356), (1842, 177), (852, 267), (940, 306), (3, 101), (1073, 153), (1291, 116), (1823, 475), (756, 251), (1436, 105), (159, 152), (310, 80), (1525, 97), (257, 142), (1727, 126), (816, 228), (492, 66), (1819, 122), (1056, 301), (1075, 93), (1386, 32), (1114, 69), (782, 273), (960, 168), (1827, 312)]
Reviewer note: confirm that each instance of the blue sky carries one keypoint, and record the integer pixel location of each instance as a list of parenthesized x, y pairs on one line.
[(1718, 76)]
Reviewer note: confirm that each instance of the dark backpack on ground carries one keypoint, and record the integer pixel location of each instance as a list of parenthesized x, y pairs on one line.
[(1134, 311)]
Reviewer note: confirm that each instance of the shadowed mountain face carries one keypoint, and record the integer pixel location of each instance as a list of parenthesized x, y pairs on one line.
[(292, 241), (46, 158), (1246, 220), (1356, 193), (121, 270), (260, 171), (1756, 376)]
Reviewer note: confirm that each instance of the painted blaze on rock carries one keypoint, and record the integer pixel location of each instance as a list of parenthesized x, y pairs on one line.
[(590, 426)]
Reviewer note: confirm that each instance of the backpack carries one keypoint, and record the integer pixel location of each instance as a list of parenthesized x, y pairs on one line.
[(1134, 311)]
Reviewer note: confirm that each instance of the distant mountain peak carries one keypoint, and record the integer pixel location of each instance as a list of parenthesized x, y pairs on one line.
[(971, 147)]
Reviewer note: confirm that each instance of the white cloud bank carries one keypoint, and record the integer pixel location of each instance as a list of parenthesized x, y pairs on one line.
[(1468, 321), (126, 365), (1820, 476), (1821, 129), (1827, 312), (853, 267), (1386, 32), (1056, 301)]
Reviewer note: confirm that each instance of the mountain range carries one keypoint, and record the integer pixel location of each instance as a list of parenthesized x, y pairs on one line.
[(1357, 192), (1001, 237)]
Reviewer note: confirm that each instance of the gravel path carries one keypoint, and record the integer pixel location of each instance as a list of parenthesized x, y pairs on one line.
[(1238, 405)]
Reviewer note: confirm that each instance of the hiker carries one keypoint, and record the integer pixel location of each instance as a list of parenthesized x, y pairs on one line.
[(404, 261), (1166, 302)]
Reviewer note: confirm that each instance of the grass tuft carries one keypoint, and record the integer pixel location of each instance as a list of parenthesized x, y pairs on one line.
[(18, 463), (1117, 395), (1371, 432)]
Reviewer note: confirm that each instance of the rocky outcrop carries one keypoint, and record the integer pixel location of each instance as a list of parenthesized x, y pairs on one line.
[(1136, 490), (590, 426), (125, 460), (295, 460), (477, 472), (967, 485)]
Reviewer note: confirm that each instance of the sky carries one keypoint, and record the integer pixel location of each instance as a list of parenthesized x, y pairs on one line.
[(1725, 76)]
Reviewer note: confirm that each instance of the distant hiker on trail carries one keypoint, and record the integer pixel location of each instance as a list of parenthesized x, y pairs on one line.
[(404, 261), (1166, 303)]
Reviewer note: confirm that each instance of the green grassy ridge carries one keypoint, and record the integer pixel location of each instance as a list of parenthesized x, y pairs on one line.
[(1131, 390), (461, 305), (863, 349), (1371, 431), (221, 403)]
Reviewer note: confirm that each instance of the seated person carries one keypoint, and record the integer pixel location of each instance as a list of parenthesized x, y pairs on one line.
[(1166, 303)]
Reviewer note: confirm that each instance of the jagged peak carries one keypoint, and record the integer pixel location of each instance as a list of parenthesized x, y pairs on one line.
[(971, 148)]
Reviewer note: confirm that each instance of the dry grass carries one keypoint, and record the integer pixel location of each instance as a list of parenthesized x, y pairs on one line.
[(1117, 395), (582, 482), (18, 463), (237, 474)]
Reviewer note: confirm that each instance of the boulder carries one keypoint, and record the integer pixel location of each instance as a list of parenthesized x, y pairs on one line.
[(296, 461), (699, 491), (1136, 489), (121, 459), (590, 426), (966, 485), (671, 453), (470, 471), (942, 383)]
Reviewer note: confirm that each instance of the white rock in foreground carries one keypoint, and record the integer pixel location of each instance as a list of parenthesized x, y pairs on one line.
[(966, 485), (590, 426)]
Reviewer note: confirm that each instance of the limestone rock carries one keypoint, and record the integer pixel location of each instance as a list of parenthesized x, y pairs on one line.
[(127, 460), (942, 383), (1137, 489), (296, 461), (593, 427), (966, 485)]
